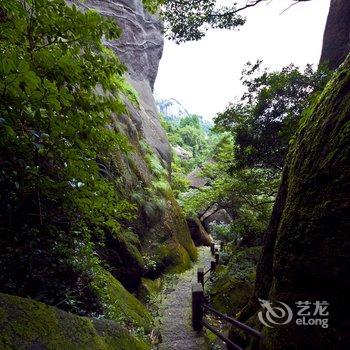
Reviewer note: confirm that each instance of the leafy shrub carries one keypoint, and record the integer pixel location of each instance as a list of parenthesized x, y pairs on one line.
[(59, 86)]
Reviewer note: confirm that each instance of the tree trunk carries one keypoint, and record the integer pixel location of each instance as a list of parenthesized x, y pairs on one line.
[(312, 252), (336, 40)]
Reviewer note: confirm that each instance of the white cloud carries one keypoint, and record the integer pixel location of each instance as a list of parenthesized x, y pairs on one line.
[(205, 76)]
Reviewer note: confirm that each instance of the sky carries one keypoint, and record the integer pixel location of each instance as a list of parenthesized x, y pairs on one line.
[(205, 75)]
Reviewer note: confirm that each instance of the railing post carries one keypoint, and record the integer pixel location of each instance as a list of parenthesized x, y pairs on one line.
[(197, 307), (212, 269), (200, 276), (212, 266), (217, 257), (212, 248)]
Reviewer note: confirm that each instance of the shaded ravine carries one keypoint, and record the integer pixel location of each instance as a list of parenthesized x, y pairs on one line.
[(176, 310)]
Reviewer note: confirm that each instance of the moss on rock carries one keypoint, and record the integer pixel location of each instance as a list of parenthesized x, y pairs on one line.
[(172, 257), (181, 231), (229, 294), (148, 288), (169, 242), (29, 324), (120, 305), (234, 283), (312, 252)]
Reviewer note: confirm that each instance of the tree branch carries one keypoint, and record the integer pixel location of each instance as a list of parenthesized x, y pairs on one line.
[(291, 5), (252, 4)]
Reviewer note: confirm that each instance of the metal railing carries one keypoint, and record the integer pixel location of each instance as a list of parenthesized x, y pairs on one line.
[(199, 308)]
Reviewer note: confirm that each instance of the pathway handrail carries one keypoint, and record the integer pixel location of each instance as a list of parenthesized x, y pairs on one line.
[(207, 280), (199, 307), (221, 336), (233, 321), (206, 272)]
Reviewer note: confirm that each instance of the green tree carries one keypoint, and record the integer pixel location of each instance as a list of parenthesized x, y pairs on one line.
[(191, 120), (59, 86), (247, 193), (268, 113), (245, 173), (187, 20)]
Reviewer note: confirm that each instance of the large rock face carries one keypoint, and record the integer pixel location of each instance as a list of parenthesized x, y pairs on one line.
[(336, 40), (220, 216), (160, 226), (140, 48), (311, 255), (27, 324)]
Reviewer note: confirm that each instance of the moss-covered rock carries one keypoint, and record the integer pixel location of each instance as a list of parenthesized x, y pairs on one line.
[(172, 257), (148, 288), (27, 324), (169, 242), (312, 251), (160, 220), (181, 232), (120, 305), (198, 233), (234, 283), (124, 258), (229, 294)]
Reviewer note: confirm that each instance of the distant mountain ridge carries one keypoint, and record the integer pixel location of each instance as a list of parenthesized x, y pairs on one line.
[(173, 111)]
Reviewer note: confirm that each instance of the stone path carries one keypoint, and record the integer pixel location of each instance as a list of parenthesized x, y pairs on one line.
[(176, 328)]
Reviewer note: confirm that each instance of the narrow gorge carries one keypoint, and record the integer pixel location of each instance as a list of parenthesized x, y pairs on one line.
[(129, 222)]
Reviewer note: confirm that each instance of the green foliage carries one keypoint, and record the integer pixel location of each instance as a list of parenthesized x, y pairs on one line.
[(59, 86), (189, 133), (191, 120), (245, 172), (189, 20), (195, 138), (224, 232), (152, 199), (233, 283), (248, 193), (152, 5), (59, 102), (267, 115), (179, 182)]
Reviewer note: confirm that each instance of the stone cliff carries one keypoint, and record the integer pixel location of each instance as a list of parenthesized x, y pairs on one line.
[(165, 239), (336, 39), (140, 48)]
